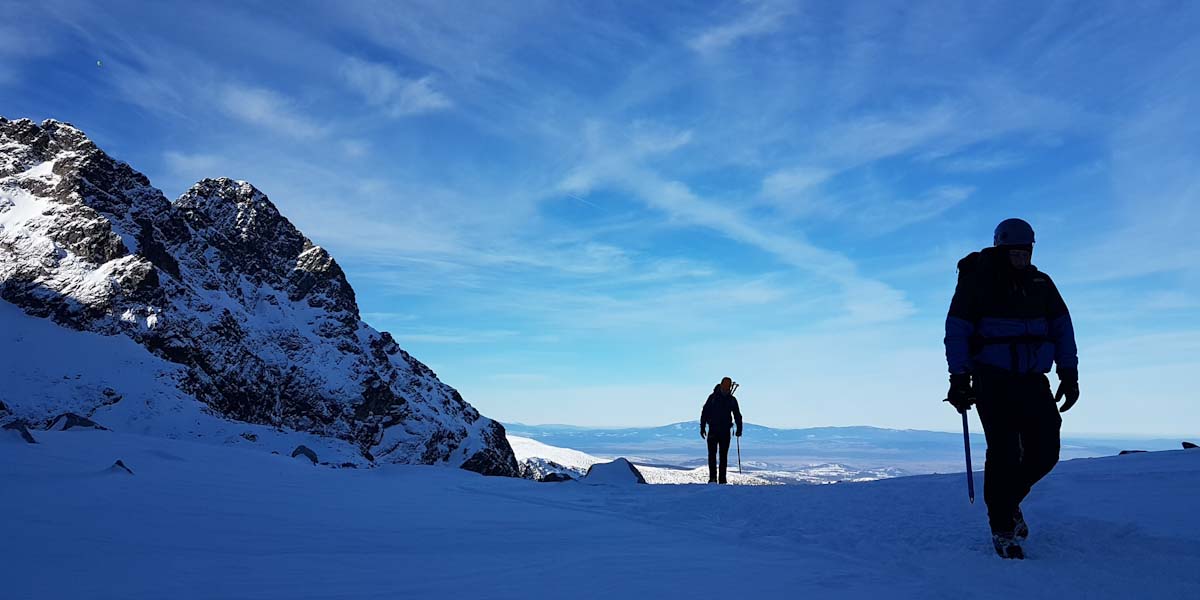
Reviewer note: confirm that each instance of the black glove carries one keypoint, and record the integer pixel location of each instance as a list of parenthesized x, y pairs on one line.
[(960, 395), (701, 432), (738, 433), (1068, 385)]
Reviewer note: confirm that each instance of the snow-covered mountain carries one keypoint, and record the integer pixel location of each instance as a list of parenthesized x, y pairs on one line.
[(213, 306)]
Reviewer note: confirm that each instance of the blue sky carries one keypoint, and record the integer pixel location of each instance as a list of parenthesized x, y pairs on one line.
[(589, 212)]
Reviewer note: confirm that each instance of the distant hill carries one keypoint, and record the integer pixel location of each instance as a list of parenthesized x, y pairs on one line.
[(914, 451)]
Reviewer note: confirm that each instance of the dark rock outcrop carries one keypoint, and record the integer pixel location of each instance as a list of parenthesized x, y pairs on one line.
[(67, 421), (1124, 452), (306, 452), (1189, 445), (22, 429), (556, 478), (119, 467), (220, 282)]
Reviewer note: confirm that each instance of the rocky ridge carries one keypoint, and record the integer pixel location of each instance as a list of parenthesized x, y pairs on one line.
[(263, 321)]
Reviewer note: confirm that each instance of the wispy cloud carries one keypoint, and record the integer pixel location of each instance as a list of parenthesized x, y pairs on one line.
[(884, 215), (268, 109), (613, 165), (442, 336), (761, 18), (979, 163), (381, 86), (189, 163), (186, 167), (355, 148)]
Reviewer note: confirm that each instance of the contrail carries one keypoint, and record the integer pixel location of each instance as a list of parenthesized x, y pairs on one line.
[(591, 204)]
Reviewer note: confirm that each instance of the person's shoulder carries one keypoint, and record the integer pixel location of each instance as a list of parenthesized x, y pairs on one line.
[(1037, 275), (968, 262)]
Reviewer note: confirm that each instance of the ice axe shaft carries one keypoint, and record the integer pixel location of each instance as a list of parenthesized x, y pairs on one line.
[(967, 448)]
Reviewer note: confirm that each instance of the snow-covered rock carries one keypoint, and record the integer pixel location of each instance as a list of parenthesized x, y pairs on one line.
[(540, 469), (245, 314), (617, 472)]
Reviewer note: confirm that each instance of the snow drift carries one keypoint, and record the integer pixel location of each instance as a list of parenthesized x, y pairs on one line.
[(617, 472)]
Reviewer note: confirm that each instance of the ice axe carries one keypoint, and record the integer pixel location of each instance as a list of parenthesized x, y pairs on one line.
[(967, 448)]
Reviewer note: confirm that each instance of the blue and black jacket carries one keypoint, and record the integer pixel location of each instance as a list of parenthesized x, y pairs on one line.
[(720, 413), (1007, 319)]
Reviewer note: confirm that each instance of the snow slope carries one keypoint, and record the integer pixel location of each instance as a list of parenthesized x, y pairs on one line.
[(64, 370), (526, 448), (209, 521)]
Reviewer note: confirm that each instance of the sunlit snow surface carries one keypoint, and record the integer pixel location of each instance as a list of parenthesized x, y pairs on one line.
[(210, 521)]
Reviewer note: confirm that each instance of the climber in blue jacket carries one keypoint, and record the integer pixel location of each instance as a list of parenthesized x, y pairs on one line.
[(1006, 327)]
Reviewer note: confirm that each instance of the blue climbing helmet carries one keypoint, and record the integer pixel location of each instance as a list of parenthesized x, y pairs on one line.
[(1013, 232)]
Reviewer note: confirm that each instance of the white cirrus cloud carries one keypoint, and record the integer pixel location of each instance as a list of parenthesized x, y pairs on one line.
[(268, 109), (764, 18), (186, 164), (399, 96)]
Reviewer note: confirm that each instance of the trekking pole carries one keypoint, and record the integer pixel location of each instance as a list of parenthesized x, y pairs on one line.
[(739, 447), (967, 448)]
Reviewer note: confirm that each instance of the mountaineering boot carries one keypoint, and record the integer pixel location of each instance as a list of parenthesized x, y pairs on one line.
[(1020, 528), (1007, 546)]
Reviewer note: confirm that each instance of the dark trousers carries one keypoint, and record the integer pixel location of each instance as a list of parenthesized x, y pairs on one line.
[(1021, 423), (717, 442)]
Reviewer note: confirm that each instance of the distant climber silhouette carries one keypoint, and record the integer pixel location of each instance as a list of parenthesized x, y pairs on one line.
[(720, 413)]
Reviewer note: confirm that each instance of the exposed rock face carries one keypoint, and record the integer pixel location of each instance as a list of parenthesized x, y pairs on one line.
[(67, 421), (119, 467), (20, 429), (220, 282), (539, 469), (306, 452)]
